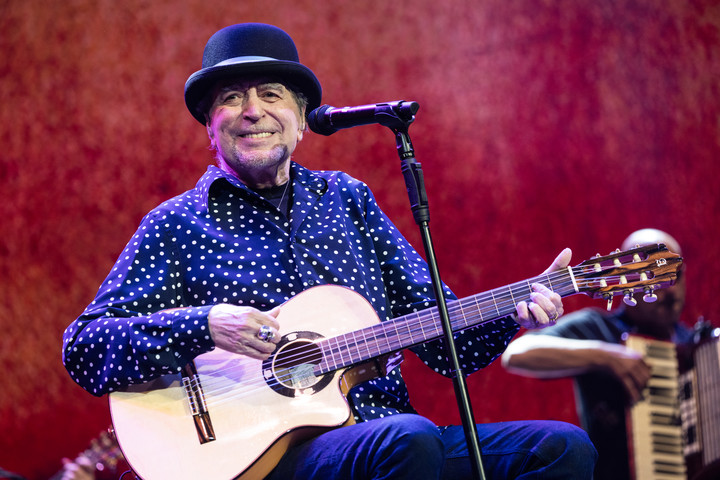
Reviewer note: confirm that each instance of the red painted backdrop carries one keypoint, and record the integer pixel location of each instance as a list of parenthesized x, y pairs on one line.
[(542, 125)]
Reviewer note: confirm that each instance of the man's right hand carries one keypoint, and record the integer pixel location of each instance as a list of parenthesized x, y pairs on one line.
[(628, 366), (235, 329)]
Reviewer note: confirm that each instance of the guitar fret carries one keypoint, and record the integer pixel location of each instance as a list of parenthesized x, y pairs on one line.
[(407, 325), (350, 351), (365, 344), (495, 303), (346, 351), (552, 287), (332, 351), (342, 351), (436, 327), (420, 324), (378, 334), (477, 305), (462, 314), (512, 297), (388, 325), (339, 357)]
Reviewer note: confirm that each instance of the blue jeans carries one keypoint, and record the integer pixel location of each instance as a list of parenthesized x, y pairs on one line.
[(411, 447)]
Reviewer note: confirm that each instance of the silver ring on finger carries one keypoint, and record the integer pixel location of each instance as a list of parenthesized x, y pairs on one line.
[(265, 333)]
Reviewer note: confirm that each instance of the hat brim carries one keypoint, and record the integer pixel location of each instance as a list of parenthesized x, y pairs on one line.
[(295, 74)]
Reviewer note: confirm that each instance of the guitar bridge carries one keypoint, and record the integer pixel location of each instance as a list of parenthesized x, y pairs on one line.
[(196, 400)]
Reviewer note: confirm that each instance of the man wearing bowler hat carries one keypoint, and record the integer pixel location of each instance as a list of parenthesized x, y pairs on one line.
[(211, 270)]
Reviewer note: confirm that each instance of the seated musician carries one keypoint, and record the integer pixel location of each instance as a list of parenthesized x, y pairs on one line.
[(210, 269), (608, 377)]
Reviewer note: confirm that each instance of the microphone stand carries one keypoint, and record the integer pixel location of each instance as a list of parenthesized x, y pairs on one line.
[(398, 118)]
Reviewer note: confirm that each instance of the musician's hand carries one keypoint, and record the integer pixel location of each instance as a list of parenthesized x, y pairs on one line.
[(628, 366), (236, 329), (545, 306)]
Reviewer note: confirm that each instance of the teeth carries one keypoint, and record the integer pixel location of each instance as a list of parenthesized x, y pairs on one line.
[(256, 135)]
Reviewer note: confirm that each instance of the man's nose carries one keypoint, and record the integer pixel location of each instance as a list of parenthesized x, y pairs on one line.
[(252, 107)]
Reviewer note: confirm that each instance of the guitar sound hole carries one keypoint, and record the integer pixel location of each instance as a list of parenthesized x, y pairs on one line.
[(290, 370), (295, 362)]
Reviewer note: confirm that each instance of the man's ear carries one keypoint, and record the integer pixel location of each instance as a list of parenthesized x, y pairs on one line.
[(302, 127)]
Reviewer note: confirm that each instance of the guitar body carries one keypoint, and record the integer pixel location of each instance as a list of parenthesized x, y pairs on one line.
[(253, 423)]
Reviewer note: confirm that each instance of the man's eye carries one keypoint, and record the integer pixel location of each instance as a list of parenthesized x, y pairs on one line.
[(230, 98)]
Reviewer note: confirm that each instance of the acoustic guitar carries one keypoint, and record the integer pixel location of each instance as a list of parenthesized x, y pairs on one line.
[(228, 416)]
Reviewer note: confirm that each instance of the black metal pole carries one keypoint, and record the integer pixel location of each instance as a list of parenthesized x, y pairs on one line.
[(412, 171)]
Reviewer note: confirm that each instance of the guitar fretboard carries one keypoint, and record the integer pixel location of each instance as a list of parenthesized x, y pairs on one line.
[(420, 327)]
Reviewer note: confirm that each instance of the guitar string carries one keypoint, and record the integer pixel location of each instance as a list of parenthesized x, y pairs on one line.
[(232, 392), (458, 303), (260, 384), (400, 340), (428, 321), (455, 304)]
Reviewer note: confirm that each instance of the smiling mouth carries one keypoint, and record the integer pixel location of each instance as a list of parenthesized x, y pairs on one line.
[(256, 135)]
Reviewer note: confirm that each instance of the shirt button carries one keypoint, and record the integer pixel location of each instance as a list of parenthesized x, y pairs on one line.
[(310, 283)]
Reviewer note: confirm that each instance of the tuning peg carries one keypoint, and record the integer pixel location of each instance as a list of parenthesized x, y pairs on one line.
[(629, 299), (649, 296), (609, 298), (603, 283)]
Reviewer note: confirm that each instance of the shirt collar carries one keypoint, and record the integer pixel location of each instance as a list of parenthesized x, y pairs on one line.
[(311, 181)]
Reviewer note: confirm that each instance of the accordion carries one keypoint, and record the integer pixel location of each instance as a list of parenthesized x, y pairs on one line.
[(674, 431)]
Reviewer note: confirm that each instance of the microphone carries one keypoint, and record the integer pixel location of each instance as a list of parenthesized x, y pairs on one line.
[(327, 120)]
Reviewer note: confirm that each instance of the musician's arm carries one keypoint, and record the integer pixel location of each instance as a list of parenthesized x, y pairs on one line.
[(133, 332), (546, 356)]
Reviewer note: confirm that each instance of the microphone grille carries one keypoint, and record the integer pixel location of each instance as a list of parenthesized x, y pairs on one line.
[(318, 123)]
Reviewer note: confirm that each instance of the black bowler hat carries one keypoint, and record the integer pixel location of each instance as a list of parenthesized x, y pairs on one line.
[(250, 49)]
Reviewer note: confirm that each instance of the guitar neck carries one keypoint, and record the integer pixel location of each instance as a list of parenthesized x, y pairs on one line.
[(424, 326)]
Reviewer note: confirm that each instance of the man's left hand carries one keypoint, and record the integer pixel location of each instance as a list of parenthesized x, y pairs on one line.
[(545, 306)]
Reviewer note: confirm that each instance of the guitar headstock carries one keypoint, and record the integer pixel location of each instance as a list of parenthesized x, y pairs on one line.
[(642, 269)]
